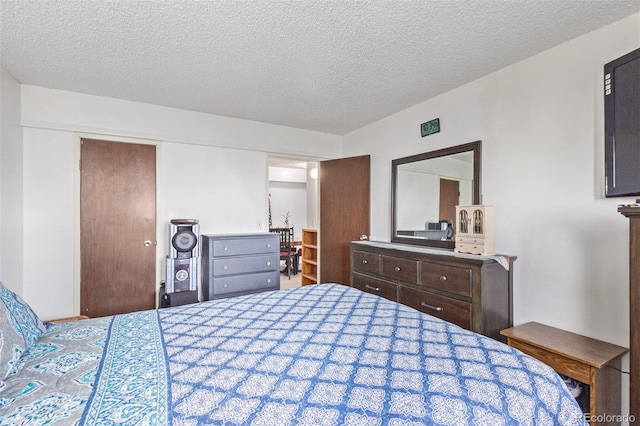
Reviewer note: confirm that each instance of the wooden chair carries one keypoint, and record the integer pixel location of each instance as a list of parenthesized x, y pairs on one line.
[(287, 251)]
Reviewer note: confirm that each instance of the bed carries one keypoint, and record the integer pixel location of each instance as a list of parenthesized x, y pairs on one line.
[(316, 355)]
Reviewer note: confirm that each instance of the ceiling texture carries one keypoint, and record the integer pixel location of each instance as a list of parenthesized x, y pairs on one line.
[(329, 66)]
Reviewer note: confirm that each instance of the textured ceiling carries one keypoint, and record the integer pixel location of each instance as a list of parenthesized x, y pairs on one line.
[(331, 66)]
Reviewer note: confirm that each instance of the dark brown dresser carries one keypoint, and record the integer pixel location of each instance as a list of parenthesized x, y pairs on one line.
[(474, 292)]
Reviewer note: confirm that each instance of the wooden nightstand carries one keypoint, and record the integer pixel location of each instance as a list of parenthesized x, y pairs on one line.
[(590, 361)]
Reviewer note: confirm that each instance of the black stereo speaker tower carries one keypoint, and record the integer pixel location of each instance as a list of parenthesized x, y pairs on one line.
[(184, 252)]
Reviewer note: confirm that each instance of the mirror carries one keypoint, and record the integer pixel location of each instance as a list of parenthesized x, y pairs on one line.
[(425, 188)]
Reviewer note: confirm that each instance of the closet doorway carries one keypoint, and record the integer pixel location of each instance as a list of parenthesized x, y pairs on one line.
[(117, 227)]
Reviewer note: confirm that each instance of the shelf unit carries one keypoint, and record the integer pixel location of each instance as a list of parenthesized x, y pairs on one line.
[(309, 256)]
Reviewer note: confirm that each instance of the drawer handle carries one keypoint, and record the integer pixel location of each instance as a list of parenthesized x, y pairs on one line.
[(433, 308), (268, 280), (225, 286), (397, 268), (225, 267), (268, 263), (443, 277), (268, 245), (370, 287), (224, 248), (365, 261)]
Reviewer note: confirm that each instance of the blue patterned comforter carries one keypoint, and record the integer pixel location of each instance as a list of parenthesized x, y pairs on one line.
[(317, 355)]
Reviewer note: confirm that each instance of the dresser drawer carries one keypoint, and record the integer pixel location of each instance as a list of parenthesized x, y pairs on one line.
[(468, 239), (366, 262), (242, 246), (472, 248), (245, 264), (451, 279), (400, 269), (246, 283), (448, 309), (374, 286)]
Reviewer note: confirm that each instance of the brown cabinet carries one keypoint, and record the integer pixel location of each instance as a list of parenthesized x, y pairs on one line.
[(474, 292)]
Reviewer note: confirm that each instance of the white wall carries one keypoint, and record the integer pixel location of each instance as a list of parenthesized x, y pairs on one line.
[(541, 124), (210, 168), (11, 219), (313, 204), (223, 188), (49, 214), (287, 174)]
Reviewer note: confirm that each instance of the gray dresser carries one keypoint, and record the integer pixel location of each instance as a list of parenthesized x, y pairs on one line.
[(237, 264)]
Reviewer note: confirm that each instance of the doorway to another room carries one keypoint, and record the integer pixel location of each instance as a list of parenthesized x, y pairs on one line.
[(293, 203)]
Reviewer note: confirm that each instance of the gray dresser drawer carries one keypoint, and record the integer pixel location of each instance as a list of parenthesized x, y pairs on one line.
[(244, 246), (245, 264), (261, 281), (236, 264)]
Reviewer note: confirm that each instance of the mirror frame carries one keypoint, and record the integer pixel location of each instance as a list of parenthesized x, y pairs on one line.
[(475, 147)]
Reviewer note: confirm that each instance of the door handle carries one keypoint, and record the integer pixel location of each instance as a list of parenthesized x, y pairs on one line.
[(147, 243), (363, 237), (434, 308)]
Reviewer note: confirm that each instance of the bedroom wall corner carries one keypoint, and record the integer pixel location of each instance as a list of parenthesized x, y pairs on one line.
[(49, 212)]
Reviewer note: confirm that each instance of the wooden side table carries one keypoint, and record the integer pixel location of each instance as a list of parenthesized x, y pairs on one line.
[(590, 361)]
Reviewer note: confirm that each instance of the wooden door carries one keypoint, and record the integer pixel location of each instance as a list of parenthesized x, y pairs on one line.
[(117, 227), (344, 214), (449, 199)]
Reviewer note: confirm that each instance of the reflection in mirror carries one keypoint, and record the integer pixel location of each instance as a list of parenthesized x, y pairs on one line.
[(425, 190)]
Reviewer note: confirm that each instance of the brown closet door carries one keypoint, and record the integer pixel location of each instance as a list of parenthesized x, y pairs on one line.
[(449, 199), (344, 214), (117, 227)]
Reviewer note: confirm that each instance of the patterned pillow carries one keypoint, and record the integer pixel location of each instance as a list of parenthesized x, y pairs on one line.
[(11, 344), (25, 321)]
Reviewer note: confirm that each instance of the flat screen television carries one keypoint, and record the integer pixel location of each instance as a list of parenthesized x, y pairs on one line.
[(622, 125)]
